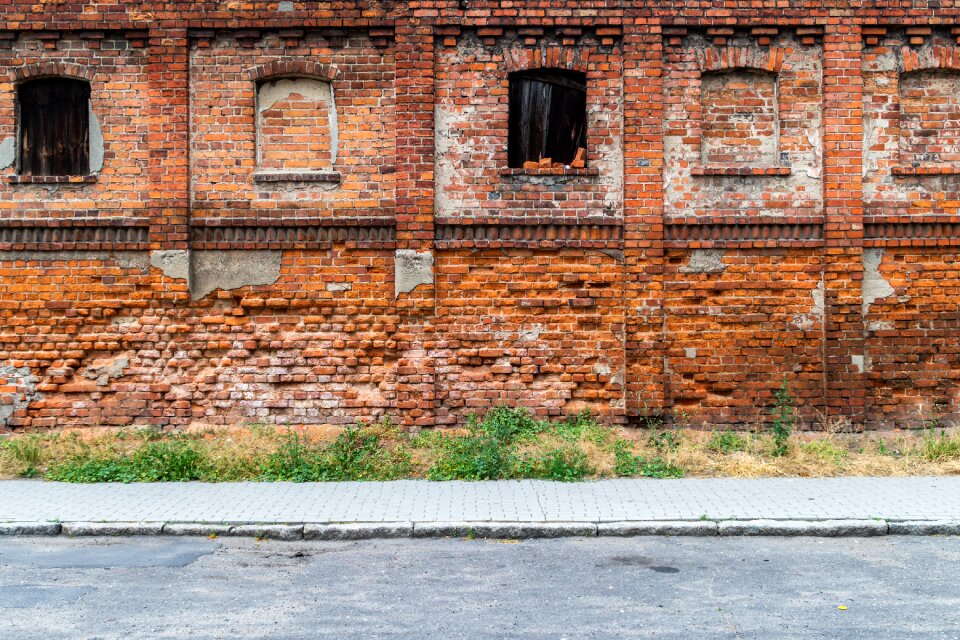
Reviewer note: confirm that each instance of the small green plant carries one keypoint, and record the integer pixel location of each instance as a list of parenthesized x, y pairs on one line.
[(174, 460), (507, 424), (665, 441), (784, 419), (884, 450), (28, 452), (628, 464), (566, 464), (727, 442), (825, 450), (472, 457), (940, 447)]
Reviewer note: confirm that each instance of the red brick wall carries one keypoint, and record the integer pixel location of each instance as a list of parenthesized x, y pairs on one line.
[(769, 193)]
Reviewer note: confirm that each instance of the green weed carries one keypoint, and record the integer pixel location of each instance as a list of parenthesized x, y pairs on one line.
[(727, 442)]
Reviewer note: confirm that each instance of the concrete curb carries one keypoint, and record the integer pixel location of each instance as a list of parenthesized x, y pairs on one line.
[(501, 530)]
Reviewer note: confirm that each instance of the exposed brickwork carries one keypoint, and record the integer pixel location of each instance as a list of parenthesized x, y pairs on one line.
[(305, 214)]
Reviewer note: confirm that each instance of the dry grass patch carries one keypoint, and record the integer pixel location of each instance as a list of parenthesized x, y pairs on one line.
[(506, 443)]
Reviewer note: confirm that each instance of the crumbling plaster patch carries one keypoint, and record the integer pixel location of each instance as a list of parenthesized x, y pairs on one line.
[(228, 270), (96, 141), (107, 369), (875, 286), (8, 152), (25, 391), (705, 261), (411, 269), (174, 263)]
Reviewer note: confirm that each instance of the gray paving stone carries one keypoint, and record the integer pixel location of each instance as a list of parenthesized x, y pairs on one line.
[(658, 528), (358, 531), (29, 528), (925, 528), (827, 528), (111, 528)]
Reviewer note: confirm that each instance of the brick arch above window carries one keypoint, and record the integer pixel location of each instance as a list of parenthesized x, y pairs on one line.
[(51, 68), (713, 59), (938, 57), (547, 57), (293, 68)]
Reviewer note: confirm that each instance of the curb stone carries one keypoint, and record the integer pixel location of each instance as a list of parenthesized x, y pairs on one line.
[(822, 528), (664, 528), (111, 528), (503, 529), (925, 528), (514, 530), (29, 528), (195, 529), (271, 531), (358, 530)]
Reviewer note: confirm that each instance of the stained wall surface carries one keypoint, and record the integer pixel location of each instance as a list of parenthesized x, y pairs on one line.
[(304, 213)]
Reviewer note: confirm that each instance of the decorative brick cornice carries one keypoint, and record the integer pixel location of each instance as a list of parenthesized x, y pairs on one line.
[(372, 233)]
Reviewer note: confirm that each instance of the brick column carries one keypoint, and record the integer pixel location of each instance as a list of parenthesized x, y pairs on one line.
[(169, 143), (643, 217), (415, 258), (844, 380)]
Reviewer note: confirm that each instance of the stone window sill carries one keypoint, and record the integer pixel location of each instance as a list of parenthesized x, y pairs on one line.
[(551, 171), (927, 170), (714, 170), (328, 177), (15, 179)]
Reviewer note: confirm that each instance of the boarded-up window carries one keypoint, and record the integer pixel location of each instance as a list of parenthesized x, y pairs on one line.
[(54, 127), (548, 116), (740, 118), (930, 118)]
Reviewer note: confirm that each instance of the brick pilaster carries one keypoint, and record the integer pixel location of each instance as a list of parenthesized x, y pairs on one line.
[(844, 381), (643, 217), (169, 144), (415, 235)]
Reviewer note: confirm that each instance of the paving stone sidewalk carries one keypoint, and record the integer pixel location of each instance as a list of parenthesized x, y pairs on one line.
[(697, 506)]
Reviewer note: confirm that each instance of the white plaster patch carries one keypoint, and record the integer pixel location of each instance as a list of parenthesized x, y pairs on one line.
[(690, 352), (412, 269), (8, 152), (875, 286), (705, 261), (337, 287)]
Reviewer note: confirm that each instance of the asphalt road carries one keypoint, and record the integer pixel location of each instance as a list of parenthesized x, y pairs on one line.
[(770, 588)]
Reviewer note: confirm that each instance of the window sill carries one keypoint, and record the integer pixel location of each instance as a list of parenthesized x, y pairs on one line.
[(927, 170), (714, 170), (551, 171), (328, 177), (51, 179)]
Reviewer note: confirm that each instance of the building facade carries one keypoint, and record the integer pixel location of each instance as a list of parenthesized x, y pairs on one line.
[(317, 212)]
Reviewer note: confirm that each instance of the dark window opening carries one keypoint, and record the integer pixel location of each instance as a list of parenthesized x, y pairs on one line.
[(548, 117), (54, 127)]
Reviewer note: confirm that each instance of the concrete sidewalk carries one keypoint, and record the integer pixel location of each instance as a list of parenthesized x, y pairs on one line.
[(525, 508)]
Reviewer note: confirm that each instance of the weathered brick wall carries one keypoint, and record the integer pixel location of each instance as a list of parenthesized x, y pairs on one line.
[(305, 214)]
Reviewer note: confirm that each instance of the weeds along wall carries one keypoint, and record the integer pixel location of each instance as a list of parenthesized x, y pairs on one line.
[(305, 212)]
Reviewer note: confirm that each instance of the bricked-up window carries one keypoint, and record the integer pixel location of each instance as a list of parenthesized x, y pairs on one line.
[(54, 127), (740, 118), (930, 118), (296, 125), (548, 117)]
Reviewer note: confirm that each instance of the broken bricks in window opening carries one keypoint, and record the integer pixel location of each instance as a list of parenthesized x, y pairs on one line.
[(548, 119)]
